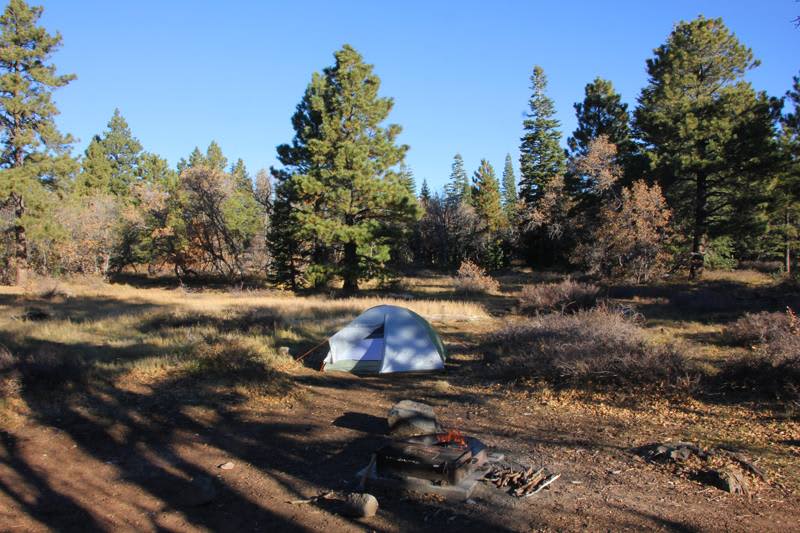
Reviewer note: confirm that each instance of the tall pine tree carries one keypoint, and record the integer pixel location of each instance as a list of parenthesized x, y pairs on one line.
[(343, 165), (602, 112), (96, 170), (123, 151), (509, 189), (541, 155), (457, 189), (33, 153), (708, 134), (486, 197)]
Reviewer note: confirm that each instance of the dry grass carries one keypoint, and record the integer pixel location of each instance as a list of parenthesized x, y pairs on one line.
[(101, 333)]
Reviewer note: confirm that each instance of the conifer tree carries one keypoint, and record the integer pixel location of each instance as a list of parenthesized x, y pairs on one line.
[(424, 192), (541, 155), (509, 188), (458, 188), (239, 173), (343, 165), (96, 170), (214, 157), (708, 134), (486, 197), (602, 112), (33, 153), (123, 151)]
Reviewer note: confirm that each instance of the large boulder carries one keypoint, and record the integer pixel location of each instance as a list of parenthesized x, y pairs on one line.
[(408, 418)]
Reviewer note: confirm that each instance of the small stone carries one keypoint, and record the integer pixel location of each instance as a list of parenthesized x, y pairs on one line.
[(360, 505), (227, 466), (284, 351)]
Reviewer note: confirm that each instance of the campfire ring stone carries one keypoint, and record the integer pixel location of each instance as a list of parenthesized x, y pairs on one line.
[(408, 418)]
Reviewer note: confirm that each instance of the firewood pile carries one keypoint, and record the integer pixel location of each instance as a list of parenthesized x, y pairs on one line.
[(520, 483)]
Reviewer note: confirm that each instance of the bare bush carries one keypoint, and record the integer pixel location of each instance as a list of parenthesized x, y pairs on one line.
[(596, 346), (759, 328), (773, 367), (474, 279), (566, 296)]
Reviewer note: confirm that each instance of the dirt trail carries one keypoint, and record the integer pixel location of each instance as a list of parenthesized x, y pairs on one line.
[(132, 469)]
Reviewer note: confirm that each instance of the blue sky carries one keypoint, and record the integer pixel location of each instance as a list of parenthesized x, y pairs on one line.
[(184, 73)]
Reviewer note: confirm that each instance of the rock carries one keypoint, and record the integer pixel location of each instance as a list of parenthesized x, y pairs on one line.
[(283, 351), (360, 505), (226, 466), (408, 418), (199, 491)]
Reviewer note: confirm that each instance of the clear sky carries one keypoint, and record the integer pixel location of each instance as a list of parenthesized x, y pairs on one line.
[(184, 73)]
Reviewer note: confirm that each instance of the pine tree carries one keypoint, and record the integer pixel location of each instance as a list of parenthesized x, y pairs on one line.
[(239, 173), (708, 134), (486, 197), (155, 169), (214, 157), (509, 189), (541, 155), (34, 153), (342, 164), (96, 170), (458, 188), (407, 177), (123, 151), (602, 112), (784, 190), (424, 192)]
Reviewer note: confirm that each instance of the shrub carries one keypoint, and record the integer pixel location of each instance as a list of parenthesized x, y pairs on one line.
[(760, 328), (720, 254), (773, 367), (474, 279), (765, 267), (566, 296), (596, 346)]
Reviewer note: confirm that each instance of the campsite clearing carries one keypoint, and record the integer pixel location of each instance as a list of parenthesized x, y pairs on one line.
[(142, 393)]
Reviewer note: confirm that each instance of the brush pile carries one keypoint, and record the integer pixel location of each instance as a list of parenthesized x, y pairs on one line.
[(520, 483)]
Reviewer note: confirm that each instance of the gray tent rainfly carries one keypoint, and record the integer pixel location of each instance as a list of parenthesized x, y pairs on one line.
[(386, 339)]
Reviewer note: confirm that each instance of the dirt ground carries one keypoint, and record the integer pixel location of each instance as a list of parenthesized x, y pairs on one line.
[(145, 456), (86, 472)]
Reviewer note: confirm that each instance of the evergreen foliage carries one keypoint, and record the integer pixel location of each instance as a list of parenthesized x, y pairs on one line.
[(486, 197), (708, 134), (33, 153), (509, 189), (343, 167), (458, 188), (541, 155)]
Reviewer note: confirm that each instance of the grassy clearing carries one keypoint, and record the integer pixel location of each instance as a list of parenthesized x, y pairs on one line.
[(92, 335)]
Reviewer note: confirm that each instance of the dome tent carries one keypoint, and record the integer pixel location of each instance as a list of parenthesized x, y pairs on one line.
[(385, 339)]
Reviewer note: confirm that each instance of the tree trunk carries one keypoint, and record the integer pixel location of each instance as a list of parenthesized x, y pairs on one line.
[(19, 257), (787, 244), (700, 228), (350, 267)]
